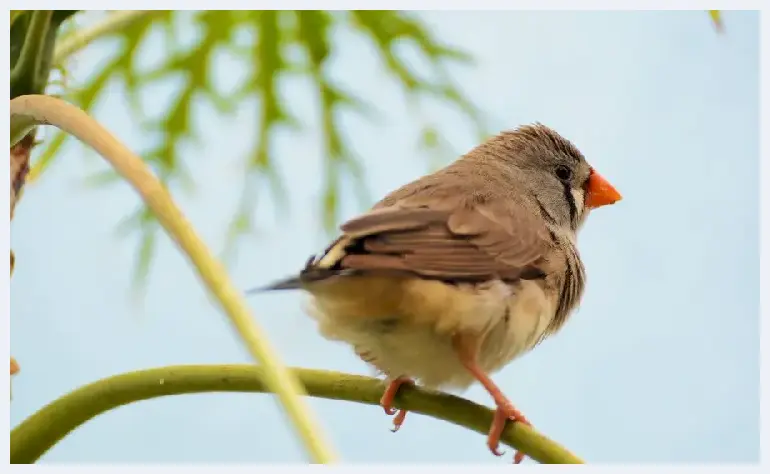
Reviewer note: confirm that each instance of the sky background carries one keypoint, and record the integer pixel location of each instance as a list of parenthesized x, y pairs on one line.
[(660, 363)]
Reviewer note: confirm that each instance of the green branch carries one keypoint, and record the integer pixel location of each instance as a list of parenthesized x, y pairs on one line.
[(38, 433), (39, 109)]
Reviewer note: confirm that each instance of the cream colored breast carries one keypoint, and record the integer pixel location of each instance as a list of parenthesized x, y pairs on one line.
[(511, 320), (531, 310)]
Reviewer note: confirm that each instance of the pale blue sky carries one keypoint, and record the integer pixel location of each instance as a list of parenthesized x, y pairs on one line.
[(660, 364)]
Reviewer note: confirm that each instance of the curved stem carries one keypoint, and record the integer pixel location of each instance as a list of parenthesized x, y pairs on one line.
[(71, 44), (48, 110), (38, 433), (74, 42)]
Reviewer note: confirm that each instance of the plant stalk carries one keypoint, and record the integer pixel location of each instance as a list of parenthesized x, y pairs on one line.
[(69, 118)]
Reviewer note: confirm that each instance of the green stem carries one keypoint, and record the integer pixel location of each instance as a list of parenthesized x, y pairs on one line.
[(76, 41), (27, 68), (48, 110), (38, 433)]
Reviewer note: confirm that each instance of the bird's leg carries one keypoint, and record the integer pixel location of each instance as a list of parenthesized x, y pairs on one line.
[(387, 401), (467, 350)]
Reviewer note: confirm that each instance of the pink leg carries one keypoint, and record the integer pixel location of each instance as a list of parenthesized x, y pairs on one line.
[(466, 351), (387, 401)]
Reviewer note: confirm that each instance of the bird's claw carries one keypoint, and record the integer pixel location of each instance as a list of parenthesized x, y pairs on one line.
[(387, 402), (494, 449), (504, 412), (398, 420)]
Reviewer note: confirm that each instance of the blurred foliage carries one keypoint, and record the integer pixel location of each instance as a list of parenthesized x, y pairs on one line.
[(716, 18), (271, 37)]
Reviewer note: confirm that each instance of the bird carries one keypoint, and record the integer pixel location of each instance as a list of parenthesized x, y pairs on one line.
[(449, 278)]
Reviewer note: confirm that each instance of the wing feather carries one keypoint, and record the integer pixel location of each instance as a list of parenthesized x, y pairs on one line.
[(443, 239)]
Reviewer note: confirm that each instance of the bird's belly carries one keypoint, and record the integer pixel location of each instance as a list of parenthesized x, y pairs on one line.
[(510, 321)]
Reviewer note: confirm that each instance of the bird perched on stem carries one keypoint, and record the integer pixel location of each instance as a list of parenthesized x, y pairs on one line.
[(452, 276)]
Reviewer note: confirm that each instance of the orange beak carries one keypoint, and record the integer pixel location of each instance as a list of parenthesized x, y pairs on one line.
[(599, 192)]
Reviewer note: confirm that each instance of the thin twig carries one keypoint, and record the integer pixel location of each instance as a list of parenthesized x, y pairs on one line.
[(77, 40), (41, 110), (38, 433)]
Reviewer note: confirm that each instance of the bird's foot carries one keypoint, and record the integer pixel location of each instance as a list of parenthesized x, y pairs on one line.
[(505, 411), (467, 348), (387, 402)]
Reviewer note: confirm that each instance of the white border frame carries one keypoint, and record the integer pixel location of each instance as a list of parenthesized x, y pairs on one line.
[(764, 175)]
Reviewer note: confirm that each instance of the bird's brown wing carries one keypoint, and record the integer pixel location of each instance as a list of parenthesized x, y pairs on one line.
[(443, 239)]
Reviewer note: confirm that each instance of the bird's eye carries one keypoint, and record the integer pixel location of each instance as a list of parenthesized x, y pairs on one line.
[(563, 173)]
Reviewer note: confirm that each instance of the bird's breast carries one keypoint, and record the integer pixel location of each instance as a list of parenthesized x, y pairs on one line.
[(404, 326)]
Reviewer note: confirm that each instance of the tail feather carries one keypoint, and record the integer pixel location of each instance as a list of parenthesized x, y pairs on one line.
[(291, 283), (307, 276), (310, 274)]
